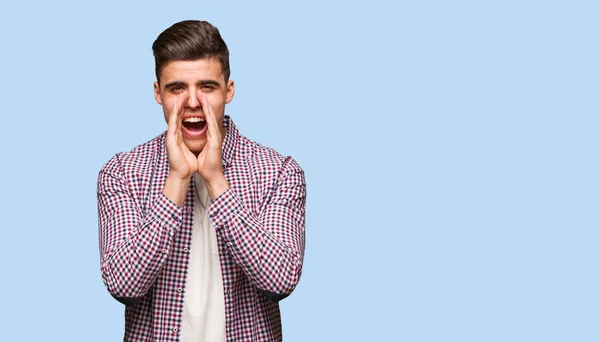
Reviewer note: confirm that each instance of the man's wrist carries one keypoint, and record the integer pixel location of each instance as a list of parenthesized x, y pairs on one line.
[(176, 189), (217, 187)]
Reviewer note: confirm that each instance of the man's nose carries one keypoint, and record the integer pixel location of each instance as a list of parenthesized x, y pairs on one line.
[(193, 101)]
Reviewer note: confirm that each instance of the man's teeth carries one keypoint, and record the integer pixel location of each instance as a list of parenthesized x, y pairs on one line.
[(193, 120)]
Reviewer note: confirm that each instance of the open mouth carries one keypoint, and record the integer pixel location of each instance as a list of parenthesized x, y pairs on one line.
[(194, 124)]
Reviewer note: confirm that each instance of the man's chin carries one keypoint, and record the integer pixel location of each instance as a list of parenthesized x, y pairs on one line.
[(194, 146)]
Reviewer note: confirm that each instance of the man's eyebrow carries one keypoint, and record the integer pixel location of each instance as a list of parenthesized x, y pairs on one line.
[(209, 82), (175, 84)]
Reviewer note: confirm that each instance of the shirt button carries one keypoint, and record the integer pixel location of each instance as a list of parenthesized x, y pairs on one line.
[(229, 244), (175, 330), (164, 251), (188, 209), (179, 290), (186, 250)]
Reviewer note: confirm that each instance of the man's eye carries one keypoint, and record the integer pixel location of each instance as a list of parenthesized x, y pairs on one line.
[(176, 89), (207, 87)]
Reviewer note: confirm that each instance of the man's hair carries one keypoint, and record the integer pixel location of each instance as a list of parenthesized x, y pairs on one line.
[(190, 40)]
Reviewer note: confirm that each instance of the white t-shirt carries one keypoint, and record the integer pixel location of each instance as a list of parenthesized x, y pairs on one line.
[(204, 303)]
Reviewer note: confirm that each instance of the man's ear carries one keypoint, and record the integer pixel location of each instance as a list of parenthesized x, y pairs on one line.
[(230, 91), (157, 93)]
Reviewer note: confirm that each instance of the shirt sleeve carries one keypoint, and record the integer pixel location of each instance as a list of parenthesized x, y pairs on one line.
[(133, 245), (268, 246)]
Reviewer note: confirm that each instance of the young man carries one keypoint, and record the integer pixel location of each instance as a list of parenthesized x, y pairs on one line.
[(201, 229)]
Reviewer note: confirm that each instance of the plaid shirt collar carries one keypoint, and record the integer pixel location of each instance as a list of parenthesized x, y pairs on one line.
[(232, 137)]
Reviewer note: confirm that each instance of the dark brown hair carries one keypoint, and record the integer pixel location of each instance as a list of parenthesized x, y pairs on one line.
[(190, 40)]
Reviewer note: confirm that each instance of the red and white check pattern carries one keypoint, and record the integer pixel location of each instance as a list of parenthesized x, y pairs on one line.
[(145, 238)]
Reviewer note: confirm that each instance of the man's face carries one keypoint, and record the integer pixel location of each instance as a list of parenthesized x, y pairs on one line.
[(192, 77)]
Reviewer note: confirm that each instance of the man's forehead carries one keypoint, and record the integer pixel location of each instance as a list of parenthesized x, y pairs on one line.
[(192, 71)]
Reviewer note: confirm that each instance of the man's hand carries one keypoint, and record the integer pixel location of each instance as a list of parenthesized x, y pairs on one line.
[(182, 162), (210, 159)]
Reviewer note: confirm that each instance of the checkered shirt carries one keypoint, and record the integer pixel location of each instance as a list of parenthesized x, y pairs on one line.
[(145, 238)]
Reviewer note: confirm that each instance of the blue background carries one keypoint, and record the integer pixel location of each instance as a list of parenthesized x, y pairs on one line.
[(450, 150)]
